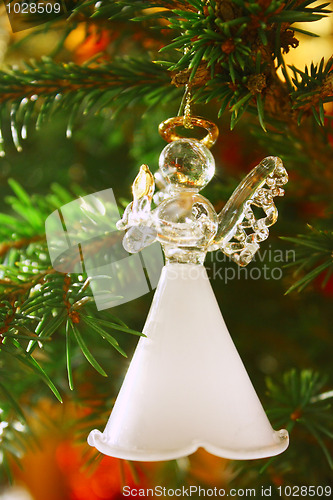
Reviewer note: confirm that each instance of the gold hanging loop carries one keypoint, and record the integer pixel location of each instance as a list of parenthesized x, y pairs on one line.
[(186, 120), (187, 109), (185, 106)]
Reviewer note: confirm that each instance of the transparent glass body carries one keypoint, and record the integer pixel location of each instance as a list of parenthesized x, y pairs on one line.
[(185, 223)]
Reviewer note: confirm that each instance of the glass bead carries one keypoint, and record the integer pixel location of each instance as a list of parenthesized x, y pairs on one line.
[(186, 223), (187, 163)]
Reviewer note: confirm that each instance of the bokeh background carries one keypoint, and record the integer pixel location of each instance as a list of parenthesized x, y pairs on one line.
[(273, 332)]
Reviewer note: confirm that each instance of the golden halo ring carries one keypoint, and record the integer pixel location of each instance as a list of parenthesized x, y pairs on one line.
[(168, 132)]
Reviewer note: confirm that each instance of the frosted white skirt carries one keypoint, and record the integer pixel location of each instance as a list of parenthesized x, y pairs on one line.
[(186, 386)]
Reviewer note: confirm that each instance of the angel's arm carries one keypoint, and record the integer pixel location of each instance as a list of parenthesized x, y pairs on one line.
[(137, 219), (239, 231)]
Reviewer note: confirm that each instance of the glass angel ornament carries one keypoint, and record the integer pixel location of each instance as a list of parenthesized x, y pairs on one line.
[(186, 386)]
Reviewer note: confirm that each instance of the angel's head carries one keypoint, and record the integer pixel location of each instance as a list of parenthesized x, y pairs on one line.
[(187, 164)]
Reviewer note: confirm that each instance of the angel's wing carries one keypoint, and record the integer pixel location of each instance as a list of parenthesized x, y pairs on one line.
[(240, 231)]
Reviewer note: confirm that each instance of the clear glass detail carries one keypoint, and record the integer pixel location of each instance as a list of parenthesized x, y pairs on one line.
[(185, 223), (240, 232), (187, 163)]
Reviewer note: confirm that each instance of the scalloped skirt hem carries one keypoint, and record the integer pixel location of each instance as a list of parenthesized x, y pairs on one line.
[(96, 439)]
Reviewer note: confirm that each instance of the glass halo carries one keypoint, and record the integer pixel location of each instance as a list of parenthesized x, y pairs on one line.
[(168, 132)]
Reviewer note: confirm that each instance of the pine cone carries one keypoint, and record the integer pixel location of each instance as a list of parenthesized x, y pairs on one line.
[(256, 83), (227, 10), (202, 76)]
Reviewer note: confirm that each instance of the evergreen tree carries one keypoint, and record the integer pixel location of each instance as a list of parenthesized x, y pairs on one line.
[(80, 116)]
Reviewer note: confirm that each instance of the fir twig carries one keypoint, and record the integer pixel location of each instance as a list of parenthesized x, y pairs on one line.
[(298, 403), (44, 87), (314, 251)]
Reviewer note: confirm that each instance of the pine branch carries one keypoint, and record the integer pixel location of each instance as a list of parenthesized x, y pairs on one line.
[(301, 402), (41, 311), (98, 18), (228, 37), (126, 10), (230, 50), (36, 302), (233, 44), (313, 251), (45, 87), (314, 87)]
